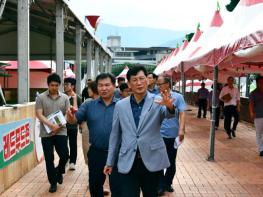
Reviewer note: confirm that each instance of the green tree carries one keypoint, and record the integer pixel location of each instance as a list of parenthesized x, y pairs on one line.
[(117, 68)]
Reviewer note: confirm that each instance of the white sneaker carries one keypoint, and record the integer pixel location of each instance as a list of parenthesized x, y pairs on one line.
[(72, 166)]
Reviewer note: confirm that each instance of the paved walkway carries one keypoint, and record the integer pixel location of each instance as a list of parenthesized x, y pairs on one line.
[(237, 170)]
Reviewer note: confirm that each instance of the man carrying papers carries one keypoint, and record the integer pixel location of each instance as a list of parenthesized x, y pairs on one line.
[(230, 96), (53, 102)]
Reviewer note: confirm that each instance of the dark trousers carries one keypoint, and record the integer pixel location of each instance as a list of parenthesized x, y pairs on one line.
[(166, 179), (59, 142), (217, 115), (202, 105), (229, 112), (140, 178), (96, 161), (72, 137)]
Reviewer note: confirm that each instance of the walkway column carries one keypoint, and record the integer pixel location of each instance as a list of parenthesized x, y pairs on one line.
[(106, 68), (89, 58), (96, 60), (183, 79), (110, 64), (59, 40), (101, 68), (78, 59), (213, 122), (105, 60), (23, 7)]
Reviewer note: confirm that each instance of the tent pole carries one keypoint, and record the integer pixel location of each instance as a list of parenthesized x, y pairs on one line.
[(247, 85), (239, 84), (192, 87), (212, 128)]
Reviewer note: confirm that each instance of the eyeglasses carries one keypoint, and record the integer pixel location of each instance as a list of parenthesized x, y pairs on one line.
[(159, 84)]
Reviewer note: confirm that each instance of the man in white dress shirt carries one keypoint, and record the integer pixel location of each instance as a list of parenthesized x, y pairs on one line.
[(231, 98)]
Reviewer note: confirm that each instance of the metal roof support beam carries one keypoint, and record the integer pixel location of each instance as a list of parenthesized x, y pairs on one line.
[(78, 58), (96, 61), (89, 58), (59, 40), (2, 7), (23, 50)]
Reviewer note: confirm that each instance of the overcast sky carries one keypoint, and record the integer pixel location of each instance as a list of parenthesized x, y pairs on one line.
[(168, 14)]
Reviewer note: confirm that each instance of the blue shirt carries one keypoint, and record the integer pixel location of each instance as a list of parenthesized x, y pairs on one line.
[(155, 90), (99, 120), (170, 127), (136, 109)]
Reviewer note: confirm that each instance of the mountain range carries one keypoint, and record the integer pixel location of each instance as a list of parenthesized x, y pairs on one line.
[(141, 36)]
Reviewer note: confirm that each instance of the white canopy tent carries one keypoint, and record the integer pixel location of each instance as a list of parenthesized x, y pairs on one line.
[(123, 72), (244, 29)]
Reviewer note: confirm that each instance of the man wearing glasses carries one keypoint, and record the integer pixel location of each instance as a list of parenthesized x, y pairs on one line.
[(170, 129)]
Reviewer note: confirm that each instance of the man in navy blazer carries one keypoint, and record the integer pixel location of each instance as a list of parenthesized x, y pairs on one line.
[(135, 138)]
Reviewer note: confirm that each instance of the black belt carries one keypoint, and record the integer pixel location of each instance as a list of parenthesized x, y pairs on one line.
[(98, 149), (138, 154)]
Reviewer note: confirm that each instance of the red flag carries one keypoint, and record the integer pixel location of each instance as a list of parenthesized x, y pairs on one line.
[(93, 20)]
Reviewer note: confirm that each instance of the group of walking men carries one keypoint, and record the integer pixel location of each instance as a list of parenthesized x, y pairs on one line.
[(132, 138)]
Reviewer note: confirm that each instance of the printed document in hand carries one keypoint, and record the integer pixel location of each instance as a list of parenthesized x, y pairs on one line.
[(56, 118), (177, 142)]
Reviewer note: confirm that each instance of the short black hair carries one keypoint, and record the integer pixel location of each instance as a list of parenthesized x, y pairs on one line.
[(70, 80), (53, 77), (230, 77), (123, 86), (120, 79), (105, 76), (134, 71), (258, 78), (153, 74)]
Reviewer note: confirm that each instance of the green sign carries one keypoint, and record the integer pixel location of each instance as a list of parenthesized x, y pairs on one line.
[(15, 141)]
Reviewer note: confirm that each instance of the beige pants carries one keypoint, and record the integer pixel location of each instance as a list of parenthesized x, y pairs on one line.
[(259, 132), (85, 140)]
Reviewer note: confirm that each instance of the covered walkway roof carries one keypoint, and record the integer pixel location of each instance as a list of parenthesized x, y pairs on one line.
[(43, 31)]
